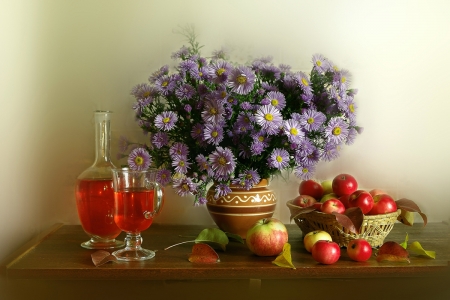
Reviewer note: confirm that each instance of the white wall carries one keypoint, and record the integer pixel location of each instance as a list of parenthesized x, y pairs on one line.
[(61, 60)]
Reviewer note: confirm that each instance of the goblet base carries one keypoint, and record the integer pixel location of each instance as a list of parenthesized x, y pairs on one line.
[(102, 244), (132, 254)]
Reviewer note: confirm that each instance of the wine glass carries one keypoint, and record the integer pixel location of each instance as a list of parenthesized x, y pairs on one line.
[(137, 200)]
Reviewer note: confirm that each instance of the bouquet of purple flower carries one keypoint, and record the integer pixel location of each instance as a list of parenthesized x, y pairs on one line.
[(215, 121)]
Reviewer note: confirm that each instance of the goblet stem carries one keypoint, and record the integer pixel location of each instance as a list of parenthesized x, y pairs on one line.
[(133, 250)]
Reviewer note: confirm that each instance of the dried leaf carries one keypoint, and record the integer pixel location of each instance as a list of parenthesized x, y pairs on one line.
[(405, 243), (346, 222), (235, 237), (101, 257), (392, 251), (411, 206), (417, 248), (213, 235), (203, 253), (284, 259), (406, 217)]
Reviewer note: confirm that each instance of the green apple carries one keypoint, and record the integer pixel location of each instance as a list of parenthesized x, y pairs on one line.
[(327, 186), (328, 196)]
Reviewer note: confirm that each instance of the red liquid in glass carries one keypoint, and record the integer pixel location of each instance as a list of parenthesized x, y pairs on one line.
[(131, 206), (95, 203)]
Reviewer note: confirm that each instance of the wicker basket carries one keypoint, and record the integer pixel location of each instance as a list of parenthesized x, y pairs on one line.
[(374, 228)]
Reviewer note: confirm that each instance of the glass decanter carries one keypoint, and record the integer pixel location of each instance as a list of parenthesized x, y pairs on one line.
[(95, 193)]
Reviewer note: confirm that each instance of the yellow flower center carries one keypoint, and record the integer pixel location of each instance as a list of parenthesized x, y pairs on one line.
[(214, 134), (241, 79), (181, 163), (139, 160), (318, 63), (343, 79), (165, 83), (261, 138), (200, 74), (351, 107), (166, 120), (213, 111), (279, 158), (268, 117), (274, 102), (305, 170), (220, 71), (305, 82), (223, 94), (146, 94), (294, 131), (222, 161), (337, 131), (185, 187), (310, 120)]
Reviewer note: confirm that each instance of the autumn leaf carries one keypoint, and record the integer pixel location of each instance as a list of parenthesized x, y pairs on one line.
[(405, 243), (298, 211), (203, 253), (417, 248), (410, 206), (235, 237), (208, 235), (284, 259), (406, 217), (352, 219), (213, 235), (392, 251)]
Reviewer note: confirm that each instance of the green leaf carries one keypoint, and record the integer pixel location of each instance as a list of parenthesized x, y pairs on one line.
[(235, 237), (417, 248), (213, 235), (405, 243), (284, 259), (406, 217)]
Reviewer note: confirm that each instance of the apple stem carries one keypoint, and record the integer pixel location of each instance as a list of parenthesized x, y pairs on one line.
[(179, 244)]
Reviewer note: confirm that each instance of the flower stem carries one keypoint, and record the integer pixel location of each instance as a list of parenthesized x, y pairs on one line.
[(179, 244)]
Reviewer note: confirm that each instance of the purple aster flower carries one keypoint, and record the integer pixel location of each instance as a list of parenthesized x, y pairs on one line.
[(160, 139), (241, 80), (247, 179), (188, 66), (336, 130), (197, 131), (342, 79), (279, 159), (123, 143), (222, 189), (213, 111), (182, 53), (163, 177), (185, 91), (164, 70), (244, 120), (180, 163), (269, 118), (184, 186), (352, 133), (321, 64), (213, 133), (179, 149), (303, 82), (293, 131), (330, 152), (246, 105), (202, 162), (188, 108), (166, 120), (276, 99), (164, 85), (222, 162), (304, 148), (257, 147), (219, 71), (144, 91), (312, 120), (139, 159), (310, 159), (304, 172)]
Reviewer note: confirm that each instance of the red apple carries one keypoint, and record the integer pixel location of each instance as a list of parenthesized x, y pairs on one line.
[(383, 204), (359, 250), (267, 237), (375, 192), (317, 206), (361, 199), (311, 188), (304, 201), (344, 199), (313, 236), (326, 252), (344, 184), (332, 205)]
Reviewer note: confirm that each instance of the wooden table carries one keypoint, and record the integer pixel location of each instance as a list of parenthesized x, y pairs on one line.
[(55, 258)]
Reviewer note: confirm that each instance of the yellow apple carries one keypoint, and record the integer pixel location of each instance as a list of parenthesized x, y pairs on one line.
[(328, 196), (312, 237), (327, 186)]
